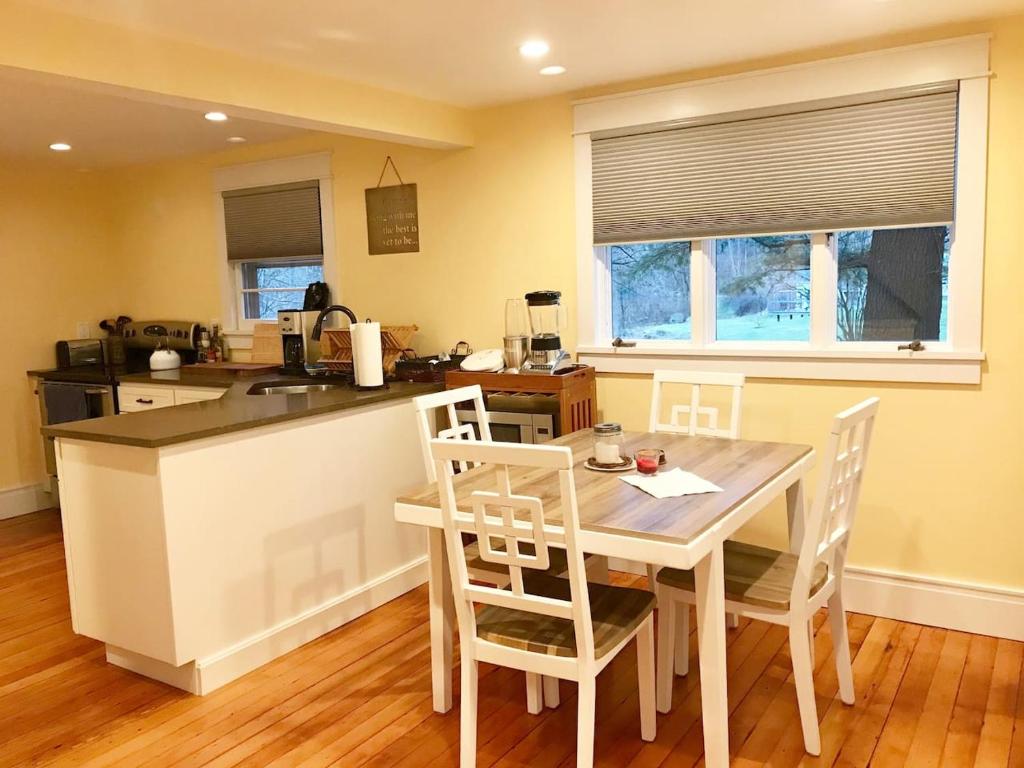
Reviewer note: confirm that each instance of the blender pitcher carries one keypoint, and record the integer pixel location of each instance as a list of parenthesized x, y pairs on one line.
[(547, 321)]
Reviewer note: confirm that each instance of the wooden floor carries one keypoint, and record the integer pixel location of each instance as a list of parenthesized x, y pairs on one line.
[(361, 696)]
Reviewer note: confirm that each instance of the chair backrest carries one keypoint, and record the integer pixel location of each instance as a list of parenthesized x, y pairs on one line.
[(694, 411), (503, 522), (427, 406), (828, 525)]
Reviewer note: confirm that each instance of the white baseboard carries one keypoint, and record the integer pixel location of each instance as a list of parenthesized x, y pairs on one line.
[(206, 675), (981, 610), (974, 608), (25, 500)]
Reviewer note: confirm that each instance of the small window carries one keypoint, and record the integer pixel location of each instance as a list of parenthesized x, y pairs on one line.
[(651, 290), (763, 288), (892, 284), (268, 286)]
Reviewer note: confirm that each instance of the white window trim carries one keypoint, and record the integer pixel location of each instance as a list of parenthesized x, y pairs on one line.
[(957, 360), (260, 174)]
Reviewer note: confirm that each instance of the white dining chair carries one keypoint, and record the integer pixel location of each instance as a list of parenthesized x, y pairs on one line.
[(565, 629), (700, 418), (782, 587), (428, 408)]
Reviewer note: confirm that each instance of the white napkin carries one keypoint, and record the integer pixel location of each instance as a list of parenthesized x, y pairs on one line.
[(674, 482)]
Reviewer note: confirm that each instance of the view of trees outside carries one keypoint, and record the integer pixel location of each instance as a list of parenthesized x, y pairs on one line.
[(651, 290), (271, 287), (763, 288), (892, 286)]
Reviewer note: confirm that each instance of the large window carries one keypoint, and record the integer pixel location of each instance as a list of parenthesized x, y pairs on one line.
[(823, 221)]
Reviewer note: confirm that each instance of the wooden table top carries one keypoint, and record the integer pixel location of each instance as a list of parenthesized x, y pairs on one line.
[(739, 467)]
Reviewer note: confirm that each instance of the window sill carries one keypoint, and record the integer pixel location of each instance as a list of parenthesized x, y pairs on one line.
[(936, 367)]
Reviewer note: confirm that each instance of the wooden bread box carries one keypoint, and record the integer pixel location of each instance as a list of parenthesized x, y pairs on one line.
[(576, 391)]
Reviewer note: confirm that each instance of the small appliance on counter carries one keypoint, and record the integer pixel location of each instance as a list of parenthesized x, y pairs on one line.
[(547, 321), (163, 343), (300, 349), (78, 352)]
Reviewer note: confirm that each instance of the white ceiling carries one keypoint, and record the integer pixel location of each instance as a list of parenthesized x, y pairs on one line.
[(106, 130), (464, 51)]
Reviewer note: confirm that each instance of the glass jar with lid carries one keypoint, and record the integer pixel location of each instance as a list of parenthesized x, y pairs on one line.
[(608, 443)]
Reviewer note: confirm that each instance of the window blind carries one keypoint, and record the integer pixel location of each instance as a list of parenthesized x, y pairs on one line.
[(884, 163), (273, 222)]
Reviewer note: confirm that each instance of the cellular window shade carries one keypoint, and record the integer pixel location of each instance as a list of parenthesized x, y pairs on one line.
[(273, 222), (879, 164)]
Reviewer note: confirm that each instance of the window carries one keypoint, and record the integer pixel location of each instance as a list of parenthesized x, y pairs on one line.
[(763, 288), (836, 231), (269, 286), (893, 284), (278, 234), (651, 290)]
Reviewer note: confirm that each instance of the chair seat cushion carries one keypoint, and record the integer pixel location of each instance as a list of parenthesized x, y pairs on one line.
[(753, 575), (615, 611)]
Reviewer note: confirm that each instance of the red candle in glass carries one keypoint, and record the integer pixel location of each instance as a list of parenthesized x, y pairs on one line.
[(647, 462)]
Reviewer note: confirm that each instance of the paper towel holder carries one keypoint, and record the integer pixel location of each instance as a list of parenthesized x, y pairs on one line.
[(363, 387)]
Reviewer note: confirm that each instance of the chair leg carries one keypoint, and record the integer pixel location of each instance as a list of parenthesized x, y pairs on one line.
[(585, 721), (667, 610), (652, 573), (467, 728), (732, 620), (810, 639), (551, 694), (841, 644), (803, 675), (534, 694), (681, 644), (645, 679)]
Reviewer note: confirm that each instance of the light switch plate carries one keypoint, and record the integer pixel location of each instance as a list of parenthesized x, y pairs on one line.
[(83, 329)]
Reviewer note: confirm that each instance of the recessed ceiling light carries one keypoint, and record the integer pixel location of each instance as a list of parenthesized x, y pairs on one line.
[(533, 49), (60, 146), (216, 117), (554, 69), (236, 139)]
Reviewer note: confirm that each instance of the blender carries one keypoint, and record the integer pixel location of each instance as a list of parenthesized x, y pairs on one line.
[(547, 321)]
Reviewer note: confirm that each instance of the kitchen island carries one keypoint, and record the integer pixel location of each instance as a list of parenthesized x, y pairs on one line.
[(206, 539)]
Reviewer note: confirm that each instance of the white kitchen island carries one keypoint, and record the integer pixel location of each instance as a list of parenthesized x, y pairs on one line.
[(206, 539)]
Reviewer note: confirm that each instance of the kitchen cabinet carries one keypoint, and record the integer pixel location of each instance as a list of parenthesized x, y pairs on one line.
[(147, 397)]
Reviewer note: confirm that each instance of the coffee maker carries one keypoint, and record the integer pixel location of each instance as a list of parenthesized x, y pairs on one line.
[(547, 321), (301, 352)]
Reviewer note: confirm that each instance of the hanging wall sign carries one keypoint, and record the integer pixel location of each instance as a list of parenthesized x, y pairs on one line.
[(392, 217)]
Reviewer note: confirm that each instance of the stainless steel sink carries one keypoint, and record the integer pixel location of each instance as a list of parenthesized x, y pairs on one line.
[(294, 387)]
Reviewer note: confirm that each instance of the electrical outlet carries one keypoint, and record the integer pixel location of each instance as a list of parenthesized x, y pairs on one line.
[(84, 329)]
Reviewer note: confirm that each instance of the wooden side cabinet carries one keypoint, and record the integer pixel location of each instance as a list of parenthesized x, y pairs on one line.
[(576, 391)]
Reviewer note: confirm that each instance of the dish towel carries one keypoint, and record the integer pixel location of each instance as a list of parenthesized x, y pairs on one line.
[(674, 482), (65, 402)]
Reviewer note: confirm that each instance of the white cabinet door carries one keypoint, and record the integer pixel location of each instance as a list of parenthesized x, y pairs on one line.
[(197, 394), (132, 398)]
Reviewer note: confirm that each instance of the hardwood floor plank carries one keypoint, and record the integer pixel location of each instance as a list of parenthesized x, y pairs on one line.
[(926, 748), (969, 709), (1017, 743), (997, 729)]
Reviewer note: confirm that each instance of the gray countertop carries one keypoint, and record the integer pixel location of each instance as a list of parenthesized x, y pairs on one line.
[(181, 377), (235, 411)]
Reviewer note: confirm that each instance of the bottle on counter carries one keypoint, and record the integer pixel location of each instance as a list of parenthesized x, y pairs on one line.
[(203, 353), (219, 344)]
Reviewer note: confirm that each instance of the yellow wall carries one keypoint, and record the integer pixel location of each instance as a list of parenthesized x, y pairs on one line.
[(55, 270), (944, 496)]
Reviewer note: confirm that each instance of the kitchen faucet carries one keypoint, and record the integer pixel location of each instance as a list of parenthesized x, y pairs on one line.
[(318, 326)]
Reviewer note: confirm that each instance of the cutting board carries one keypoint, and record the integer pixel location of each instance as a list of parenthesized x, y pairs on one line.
[(231, 369), (266, 344)]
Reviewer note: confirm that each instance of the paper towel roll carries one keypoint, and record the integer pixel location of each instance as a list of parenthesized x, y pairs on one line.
[(366, 354)]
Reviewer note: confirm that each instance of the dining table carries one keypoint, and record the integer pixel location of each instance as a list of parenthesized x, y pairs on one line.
[(618, 520)]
